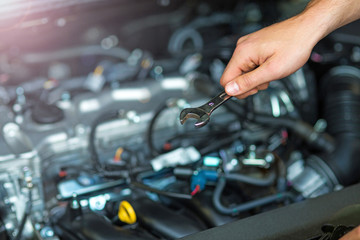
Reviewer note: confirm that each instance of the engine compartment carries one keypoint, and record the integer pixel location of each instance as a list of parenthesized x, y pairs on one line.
[(92, 146)]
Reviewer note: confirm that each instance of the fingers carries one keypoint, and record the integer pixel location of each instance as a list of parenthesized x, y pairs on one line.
[(256, 79), (269, 54), (239, 64), (263, 86), (232, 69), (247, 94), (253, 91)]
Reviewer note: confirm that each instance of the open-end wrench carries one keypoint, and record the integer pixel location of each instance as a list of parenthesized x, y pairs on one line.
[(202, 113)]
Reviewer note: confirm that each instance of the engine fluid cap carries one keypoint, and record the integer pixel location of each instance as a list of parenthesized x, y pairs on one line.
[(46, 114), (126, 213)]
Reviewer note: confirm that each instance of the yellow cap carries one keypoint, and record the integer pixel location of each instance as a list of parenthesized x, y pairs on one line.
[(126, 213), (98, 70)]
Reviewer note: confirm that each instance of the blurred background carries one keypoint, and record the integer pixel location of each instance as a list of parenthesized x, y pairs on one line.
[(91, 146)]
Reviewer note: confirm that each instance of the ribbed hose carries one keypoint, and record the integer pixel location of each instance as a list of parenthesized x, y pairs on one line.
[(342, 101), (342, 111)]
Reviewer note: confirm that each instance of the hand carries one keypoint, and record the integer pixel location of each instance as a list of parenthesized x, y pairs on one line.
[(266, 55), (279, 50), (353, 235)]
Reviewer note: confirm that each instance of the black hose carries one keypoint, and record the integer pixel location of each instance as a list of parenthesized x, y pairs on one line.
[(181, 37), (247, 205), (261, 182), (160, 192), (322, 141), (318, 140), (25, 216)]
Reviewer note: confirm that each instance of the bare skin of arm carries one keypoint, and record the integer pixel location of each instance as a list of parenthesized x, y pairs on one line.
[(281, 49)]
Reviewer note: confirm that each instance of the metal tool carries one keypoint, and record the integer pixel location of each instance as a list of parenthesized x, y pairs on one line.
[(202, 113)]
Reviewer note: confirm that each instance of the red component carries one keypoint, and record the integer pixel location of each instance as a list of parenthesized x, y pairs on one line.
[(196, 190), (62, 173), (284, 135), (167, 146)]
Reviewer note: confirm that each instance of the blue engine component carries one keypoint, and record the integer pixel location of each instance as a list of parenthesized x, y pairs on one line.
[(202, 177)]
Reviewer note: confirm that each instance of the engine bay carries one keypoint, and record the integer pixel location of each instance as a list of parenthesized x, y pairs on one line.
[(92, 146)]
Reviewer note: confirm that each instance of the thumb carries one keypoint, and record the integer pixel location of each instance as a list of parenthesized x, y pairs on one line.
[(250, 80)]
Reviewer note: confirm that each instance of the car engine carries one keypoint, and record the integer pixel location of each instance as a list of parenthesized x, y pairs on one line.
[(91, 145)]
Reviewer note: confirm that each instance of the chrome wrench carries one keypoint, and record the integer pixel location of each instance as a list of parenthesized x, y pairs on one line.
[(202, 113)]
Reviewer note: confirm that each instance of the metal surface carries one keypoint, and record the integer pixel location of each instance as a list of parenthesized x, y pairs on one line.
[(298, 221), (202, 113)]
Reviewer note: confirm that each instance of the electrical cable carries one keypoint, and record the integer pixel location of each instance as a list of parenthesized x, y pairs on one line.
[(98, 166), (281, 171), (92, 148), (217, 144), (150, 130), (24, 217), (216, 199)]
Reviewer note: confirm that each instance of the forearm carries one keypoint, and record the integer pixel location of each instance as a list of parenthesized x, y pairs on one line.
[(328, 15)]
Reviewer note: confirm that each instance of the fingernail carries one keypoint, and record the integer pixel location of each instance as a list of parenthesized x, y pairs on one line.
[(232, 88)]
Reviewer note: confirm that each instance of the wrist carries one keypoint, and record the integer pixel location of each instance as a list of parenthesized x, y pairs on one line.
[(310, 29), (321, 17), (315, 22)]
